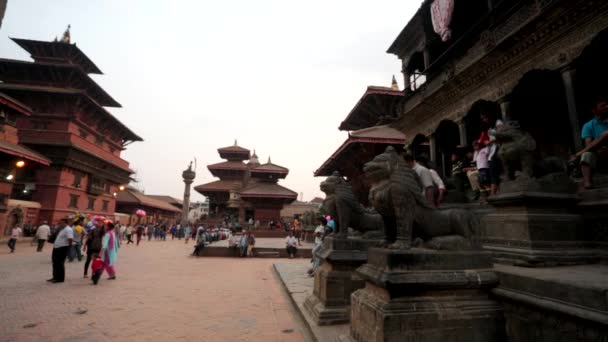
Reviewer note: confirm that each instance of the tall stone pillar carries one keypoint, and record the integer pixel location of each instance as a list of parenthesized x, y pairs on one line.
[(433, 148), (188, 176), (462, 130), (568, 78), (505, 109)]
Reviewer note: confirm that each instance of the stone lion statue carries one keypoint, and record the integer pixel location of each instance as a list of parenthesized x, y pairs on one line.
[(516, 149), (396, 194), (340, 203)]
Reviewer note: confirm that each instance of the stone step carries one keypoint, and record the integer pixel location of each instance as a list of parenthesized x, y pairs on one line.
[(268, 254)]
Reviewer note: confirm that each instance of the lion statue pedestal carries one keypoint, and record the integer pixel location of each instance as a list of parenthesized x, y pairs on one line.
[(437, 293), (336, 279), (426, 295)]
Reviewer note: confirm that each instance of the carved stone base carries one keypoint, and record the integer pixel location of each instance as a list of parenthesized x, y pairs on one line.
[(425, 295), (336, 279), (535, 229)]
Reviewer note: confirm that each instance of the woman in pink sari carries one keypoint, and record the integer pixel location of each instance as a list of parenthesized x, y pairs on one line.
[(109, 250)]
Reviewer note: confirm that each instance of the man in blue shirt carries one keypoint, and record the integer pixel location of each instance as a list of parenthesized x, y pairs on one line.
[(595, 135)]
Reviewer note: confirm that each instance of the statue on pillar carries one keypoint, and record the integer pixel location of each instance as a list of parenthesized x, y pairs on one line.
[(396, 194), (340, 203)]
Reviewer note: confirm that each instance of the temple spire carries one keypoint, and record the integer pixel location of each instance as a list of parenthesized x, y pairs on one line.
[(269, 160), (394, 84), (66, 35), (235, 143)]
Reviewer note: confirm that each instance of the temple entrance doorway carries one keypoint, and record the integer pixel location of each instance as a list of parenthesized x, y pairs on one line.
[(538, 103), (591, 76), (447, 138)]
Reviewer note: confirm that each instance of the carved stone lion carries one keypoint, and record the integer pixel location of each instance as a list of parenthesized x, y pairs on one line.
[(340, 203), (397, 195), (516, 150)]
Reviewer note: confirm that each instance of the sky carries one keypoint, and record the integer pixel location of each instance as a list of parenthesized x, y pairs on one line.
[(194, 75)]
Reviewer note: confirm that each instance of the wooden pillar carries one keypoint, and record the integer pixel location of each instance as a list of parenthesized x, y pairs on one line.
[(505, 109), (432, 148), (462, 131), (427, 57), (568, 79)]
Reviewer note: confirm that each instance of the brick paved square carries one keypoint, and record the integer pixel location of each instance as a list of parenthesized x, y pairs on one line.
[(161, 294)]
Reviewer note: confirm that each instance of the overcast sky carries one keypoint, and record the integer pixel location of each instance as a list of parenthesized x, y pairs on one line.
[(192, 76)]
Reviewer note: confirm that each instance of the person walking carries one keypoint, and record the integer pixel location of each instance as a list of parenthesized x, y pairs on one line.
[(121, 231), (139, 233), (250, 243), (150, 232), (61, 248), (109, 250), (187, 232), (15, 234), (42, 234), (129, 232), (76, 249), (92, 243)]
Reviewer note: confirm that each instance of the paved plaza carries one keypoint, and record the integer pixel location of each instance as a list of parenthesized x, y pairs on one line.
[(161, 294)]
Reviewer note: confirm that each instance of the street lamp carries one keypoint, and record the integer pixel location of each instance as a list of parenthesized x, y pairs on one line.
[(20, 164)]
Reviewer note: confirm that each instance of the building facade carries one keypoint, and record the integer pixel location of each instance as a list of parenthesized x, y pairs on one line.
[(70, 126), (245, 192)]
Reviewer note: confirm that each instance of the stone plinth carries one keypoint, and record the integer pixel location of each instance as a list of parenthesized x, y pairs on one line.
[(336, 279), (536, 228), (426, 295)]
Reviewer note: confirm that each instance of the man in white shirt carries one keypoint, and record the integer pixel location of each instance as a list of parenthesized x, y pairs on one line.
[(61, 247), (292, 243), (12, 242), (425, 177), (438, 183), (42, 234)]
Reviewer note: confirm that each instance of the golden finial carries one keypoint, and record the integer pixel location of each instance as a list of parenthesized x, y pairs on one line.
[(66, 35), (394, 84)]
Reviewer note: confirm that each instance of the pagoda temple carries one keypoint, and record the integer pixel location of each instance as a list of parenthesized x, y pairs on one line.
[(245, 191), (68, 125)]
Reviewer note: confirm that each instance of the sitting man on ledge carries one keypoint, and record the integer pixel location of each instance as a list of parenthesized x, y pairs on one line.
[(595, 135)]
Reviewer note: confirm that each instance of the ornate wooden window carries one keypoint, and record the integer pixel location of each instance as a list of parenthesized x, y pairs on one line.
[(91, 205), (77, 180), (104, 206), (73, 201)]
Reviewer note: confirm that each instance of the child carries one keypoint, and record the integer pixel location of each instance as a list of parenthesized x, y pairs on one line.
[(481, 161), (96, 268)]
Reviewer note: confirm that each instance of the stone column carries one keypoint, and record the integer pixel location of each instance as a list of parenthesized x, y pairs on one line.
[(432, 148), (462, 130), (568, 78), (505, 109), (188, 176), (336, 279)]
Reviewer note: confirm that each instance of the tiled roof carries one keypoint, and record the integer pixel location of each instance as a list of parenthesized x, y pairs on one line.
[(234, 148), (228, 165), (168, 199), (130, 196), (23, 152), (219, 186), (373, 104), (269, 190), (270, 168), (379, 132), (372, 135)]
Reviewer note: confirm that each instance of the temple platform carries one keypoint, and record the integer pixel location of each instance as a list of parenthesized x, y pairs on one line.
[(299, 286), (264, 248), (536, 299)]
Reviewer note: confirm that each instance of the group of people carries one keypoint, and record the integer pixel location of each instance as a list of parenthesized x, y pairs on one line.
[(97, 239), (480, 168)]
